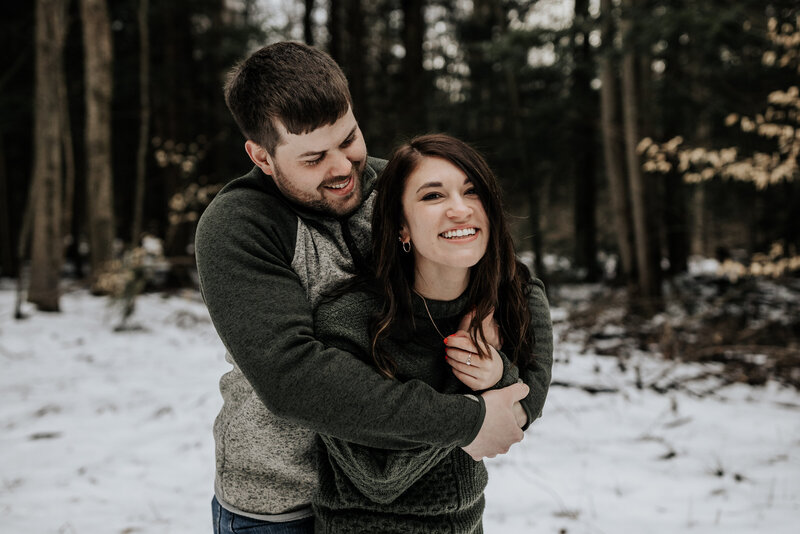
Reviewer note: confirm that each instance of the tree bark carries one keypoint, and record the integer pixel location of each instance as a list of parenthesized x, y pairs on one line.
[(45, 200), (648, 284), (144, 121), (98, 87), (612, 144)]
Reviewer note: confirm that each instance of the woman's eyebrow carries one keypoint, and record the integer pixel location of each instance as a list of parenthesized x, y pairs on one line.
[(429, 184)]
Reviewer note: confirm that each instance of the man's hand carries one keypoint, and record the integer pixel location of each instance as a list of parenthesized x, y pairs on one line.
[(500, 429), (520, 415), (490, 328)]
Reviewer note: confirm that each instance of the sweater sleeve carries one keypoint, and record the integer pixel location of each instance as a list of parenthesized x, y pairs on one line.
[(539, 372), (381, 475), (244, 248)]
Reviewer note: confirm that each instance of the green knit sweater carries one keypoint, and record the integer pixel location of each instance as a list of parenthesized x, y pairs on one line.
[(426, 489)]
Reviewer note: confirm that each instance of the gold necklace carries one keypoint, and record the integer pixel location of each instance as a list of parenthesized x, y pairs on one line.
[(425, 303)]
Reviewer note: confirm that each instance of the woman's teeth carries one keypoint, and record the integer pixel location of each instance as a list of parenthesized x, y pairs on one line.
[(458, 233)]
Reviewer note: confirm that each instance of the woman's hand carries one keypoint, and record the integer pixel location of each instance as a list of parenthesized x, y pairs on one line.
[(490, 328), (475, 372)]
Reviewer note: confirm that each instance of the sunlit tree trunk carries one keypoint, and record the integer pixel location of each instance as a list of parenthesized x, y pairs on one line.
[(612, 143), (648, 285), (98, 87), (144, 120), (45, 198)]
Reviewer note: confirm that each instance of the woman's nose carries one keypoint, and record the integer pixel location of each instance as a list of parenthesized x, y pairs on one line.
[(458, 209)]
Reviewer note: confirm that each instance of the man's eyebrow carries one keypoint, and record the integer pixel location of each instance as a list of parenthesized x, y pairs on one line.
[(323, 152)]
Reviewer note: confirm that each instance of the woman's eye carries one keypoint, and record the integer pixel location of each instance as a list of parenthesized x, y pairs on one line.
[(431, 196), (471, 191)]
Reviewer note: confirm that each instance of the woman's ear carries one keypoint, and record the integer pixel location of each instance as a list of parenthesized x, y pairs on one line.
[(405, 236)]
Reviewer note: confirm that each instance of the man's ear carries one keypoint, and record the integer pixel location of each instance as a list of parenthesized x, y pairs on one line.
[(259, 156)]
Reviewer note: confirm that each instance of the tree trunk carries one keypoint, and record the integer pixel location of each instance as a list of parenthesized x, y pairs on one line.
[(45, 199), (354, 58), (335, 30), (530, 183), (308, 22), (144, 121), (648, 285), (583, 133), (7, 264), (612, 145), (69, 157), (414, 116), (98, 87)]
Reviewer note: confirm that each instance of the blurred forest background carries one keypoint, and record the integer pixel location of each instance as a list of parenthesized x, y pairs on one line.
[(629, 135)]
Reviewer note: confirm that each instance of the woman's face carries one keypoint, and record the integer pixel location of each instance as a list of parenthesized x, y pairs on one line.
[(444, 218)]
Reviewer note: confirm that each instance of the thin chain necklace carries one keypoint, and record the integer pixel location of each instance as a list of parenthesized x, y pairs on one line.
[(425, 302)]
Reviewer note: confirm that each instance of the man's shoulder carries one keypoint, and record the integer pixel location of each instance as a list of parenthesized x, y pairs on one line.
[(251, 195)]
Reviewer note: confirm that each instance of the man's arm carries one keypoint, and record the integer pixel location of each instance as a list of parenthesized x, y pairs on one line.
[(261, 313)]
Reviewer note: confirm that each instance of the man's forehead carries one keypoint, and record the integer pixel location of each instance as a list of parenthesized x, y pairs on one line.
[(319, 140)]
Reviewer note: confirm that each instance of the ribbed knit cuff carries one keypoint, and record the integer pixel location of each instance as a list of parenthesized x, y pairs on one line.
[(479, 421)]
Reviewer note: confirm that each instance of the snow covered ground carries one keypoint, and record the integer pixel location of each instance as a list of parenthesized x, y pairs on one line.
[(104, 432)]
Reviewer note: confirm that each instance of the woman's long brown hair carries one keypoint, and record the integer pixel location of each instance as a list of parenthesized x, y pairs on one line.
[(498, 281)]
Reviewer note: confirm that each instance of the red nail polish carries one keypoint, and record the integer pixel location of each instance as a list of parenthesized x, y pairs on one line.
[(445, 340)]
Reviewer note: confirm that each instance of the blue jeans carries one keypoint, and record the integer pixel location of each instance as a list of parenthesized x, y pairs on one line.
[(226, 522)]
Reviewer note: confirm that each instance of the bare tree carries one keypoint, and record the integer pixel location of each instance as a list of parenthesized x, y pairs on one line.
[(647, 270), (144, 120), (98, 87), (45, 197), (609, 114), (583, 133)]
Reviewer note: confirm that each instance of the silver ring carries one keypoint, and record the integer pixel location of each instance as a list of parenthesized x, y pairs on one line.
[(469, 359)]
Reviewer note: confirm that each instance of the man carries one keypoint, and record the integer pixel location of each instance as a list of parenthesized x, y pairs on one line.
[(268, 247)]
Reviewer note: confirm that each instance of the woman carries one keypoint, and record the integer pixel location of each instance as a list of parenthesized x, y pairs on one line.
[(441, 249)]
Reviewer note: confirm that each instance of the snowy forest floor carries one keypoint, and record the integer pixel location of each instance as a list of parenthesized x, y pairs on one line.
[(110, 432)]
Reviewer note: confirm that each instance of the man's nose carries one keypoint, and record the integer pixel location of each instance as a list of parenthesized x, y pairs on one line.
[(341, 165)]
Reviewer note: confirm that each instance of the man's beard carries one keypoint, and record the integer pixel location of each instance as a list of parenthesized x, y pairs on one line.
[(340, 207)]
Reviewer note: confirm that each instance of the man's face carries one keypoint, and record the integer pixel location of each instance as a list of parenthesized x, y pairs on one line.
[(321, 169)]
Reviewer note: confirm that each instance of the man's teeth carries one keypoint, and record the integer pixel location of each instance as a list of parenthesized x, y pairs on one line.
[(458, 233), (339, 186)]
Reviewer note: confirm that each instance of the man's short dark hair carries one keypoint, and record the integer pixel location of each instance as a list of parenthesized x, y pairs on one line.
[(294, 83)]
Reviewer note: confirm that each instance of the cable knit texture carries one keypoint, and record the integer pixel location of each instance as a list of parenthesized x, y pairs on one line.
[(427, 489)]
